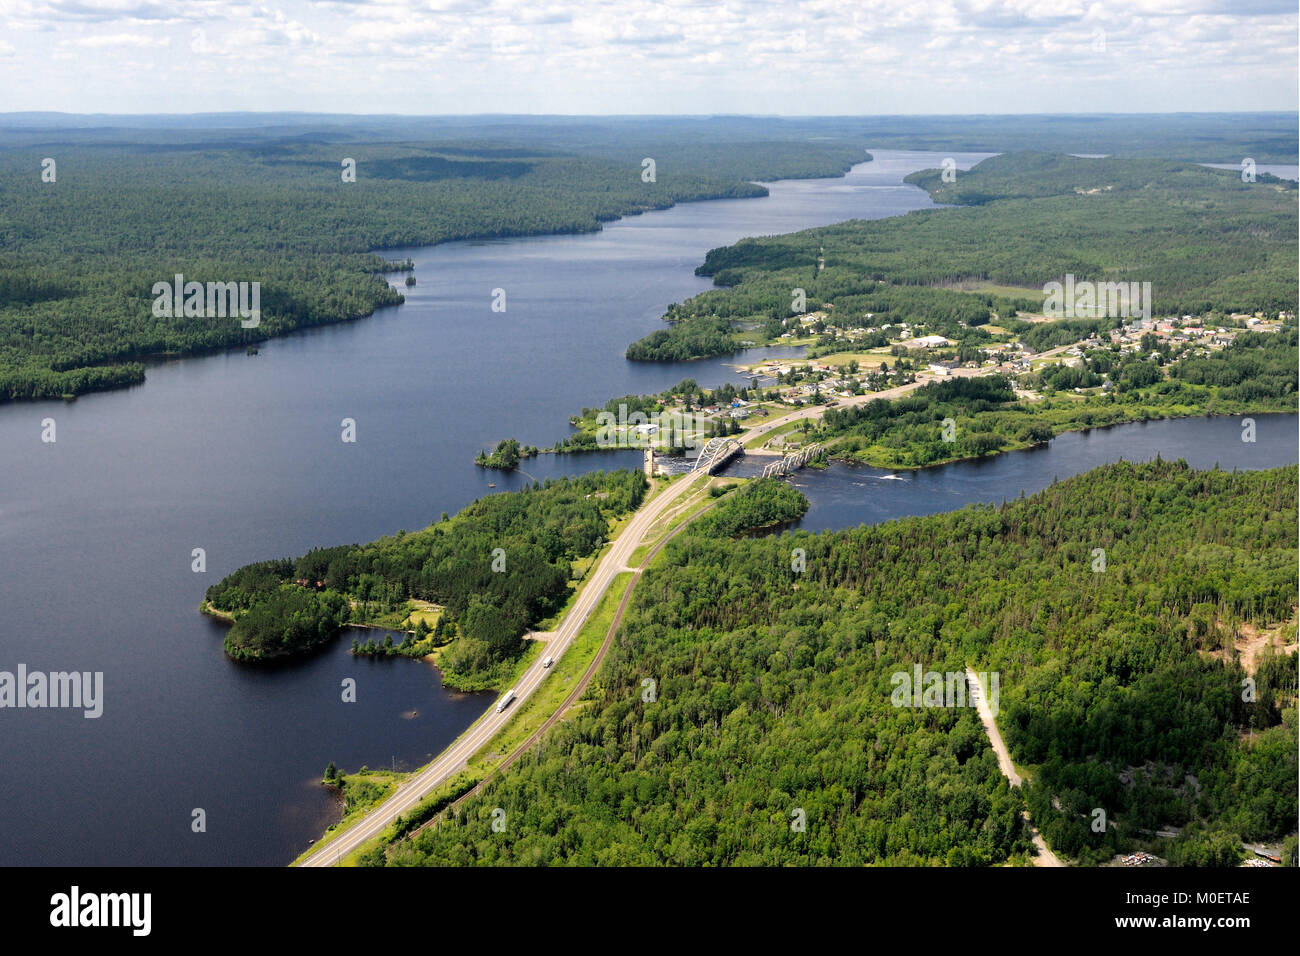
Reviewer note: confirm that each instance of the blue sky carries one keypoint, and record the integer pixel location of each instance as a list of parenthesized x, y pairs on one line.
[(648, 56)]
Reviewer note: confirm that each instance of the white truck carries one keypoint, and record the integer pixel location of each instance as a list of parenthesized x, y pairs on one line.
[(504, 702)]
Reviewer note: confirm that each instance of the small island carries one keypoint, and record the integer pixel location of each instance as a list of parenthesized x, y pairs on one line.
[(506, 456)]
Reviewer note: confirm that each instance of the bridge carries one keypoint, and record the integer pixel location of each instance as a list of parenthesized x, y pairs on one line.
[(716, 453), (792, 462)]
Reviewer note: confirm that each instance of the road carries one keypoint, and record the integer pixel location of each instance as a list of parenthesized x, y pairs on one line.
[(1045, 855), (454, 759), (592, 668)]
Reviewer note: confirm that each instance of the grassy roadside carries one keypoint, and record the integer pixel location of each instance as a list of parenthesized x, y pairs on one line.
[(360, 791), (579, 581), (780, 430), (565, 674), (580, 576), (526, 721), (689, 507), (541, 705)]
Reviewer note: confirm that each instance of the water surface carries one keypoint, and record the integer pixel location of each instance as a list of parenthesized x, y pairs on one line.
[(844, 496)]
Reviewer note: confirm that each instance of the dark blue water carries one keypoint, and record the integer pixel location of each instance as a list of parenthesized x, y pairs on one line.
[(844, 496), (241, 455)]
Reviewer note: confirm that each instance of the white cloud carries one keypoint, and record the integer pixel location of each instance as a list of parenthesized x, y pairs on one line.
[(652, 55), (117, 40)]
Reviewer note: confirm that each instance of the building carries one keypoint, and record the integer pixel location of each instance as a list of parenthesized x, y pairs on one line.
[(928, 342)]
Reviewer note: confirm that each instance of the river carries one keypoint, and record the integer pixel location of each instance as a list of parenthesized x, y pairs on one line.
[(844, 496)]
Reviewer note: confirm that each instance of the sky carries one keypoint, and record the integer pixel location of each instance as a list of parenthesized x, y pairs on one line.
[(792, 57)]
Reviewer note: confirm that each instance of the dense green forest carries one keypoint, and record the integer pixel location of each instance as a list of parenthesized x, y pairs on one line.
[(772, 738), (134, 205), (506, 456), (760, 503), (1206, 241), (79, 256), (1257, 373), (498, 567)]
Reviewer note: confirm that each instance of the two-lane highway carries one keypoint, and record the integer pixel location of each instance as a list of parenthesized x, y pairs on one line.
[(615, 560), (454, 759)]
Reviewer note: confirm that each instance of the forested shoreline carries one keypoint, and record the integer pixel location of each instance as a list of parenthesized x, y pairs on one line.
[(962, 418), (494, 570), (79, 255), (1208, 243), (1120, 690)]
